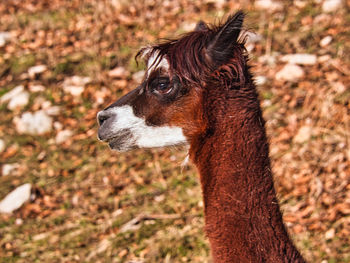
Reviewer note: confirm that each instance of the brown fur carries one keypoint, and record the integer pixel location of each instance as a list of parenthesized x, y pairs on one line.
[(243, 219), (216, 105)]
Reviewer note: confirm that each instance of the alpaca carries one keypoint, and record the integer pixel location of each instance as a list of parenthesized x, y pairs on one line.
[(198, 90)]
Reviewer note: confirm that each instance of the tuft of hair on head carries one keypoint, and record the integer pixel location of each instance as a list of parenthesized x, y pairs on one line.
[(196, 55)]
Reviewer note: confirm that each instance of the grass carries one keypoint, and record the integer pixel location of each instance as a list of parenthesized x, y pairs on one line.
[(85, 194)]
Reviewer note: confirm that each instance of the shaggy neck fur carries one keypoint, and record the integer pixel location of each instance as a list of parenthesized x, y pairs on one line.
[(243, 219)]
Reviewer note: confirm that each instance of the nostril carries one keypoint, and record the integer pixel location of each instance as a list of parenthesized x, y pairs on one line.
[(102, 116), (102, 119)]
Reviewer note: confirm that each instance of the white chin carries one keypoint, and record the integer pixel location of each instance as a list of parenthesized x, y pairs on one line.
[(121, 147)]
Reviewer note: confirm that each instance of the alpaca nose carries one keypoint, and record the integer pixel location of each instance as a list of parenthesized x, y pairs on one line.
[(102, 116)]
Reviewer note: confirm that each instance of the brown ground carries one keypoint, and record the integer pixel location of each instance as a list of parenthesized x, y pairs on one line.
[(86, 196)]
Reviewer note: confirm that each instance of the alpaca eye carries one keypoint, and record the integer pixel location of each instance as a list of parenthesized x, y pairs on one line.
[(161, 86)]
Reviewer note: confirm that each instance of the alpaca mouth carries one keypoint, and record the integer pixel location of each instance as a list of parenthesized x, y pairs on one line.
[(121, 145), (121, 142)]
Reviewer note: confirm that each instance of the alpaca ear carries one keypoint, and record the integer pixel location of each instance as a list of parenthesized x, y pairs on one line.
[(201, 26), (225, 38)]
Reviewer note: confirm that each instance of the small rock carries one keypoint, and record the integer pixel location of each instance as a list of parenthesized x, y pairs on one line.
[(58, 126), (266, 103), (7, 168), (36, 88), (260, 80), (118, 73), (303, 135), (330, 234), (36, 70), (2, 145), (300, 4), (4, 37), (53, 110), (45, 104), (100, 95), (329, 6), (268, 59), (11, 94), (268, 5), (75, 85), (326, 41), (322, 19), (15, 199), (19, 101), (36, 123), (78, 81), (19, 221), (62, 136), (75, 91), (301, 59), (324, 58), (251, 39), (339, 87), (290, 72), (138, 76)]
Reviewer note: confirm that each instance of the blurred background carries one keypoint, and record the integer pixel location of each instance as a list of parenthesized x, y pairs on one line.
[(76, 201)]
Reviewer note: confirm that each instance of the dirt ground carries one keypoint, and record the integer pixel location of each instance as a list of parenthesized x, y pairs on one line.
[(89, 204)]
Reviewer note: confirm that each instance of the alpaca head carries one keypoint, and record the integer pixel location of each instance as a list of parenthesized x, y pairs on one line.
[(167, 107)]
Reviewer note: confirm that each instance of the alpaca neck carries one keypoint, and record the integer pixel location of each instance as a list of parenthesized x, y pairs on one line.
[(243, 220)]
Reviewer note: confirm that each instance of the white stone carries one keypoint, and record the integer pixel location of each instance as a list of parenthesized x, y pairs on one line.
[(19, 221), (75, 85), (58, 126), (4, 37), (330, 234), (300, 4), (269, 59), (36, 70), (15, 199), (266, 103), (118, 72), (36, 123), (11, 94), (268, 5), (252, 37), (303, 134), (53, 110), (301, 59), (45, 104), (2, 145), (62, 136), (75, 91), (8, 168), (329, 6), (324, 58), (19, 101), (36, 88), (290, 72), (326, 41), (338, 86), (260, 80)]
